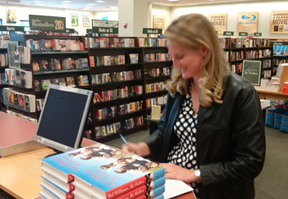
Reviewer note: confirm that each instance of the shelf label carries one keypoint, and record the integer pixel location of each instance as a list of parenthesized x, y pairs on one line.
[(228, 33), (104, 30), (243, 33), (47, 23), (152, 31), (12, 28), (258, 34), (89, 31)]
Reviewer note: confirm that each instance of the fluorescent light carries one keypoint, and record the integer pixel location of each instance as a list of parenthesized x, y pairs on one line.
[(99, 1)]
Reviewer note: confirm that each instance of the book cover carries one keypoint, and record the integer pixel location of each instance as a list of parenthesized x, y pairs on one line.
[(133, 58), (92, 61), (70, 81), (21, 101), (35, 66), (26, 79), (44, 84), (106, 169)]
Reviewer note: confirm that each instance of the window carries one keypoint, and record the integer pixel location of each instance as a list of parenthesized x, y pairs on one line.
[(26, 24)]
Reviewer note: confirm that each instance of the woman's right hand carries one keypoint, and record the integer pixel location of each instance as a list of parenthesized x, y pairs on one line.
[(140, 148)]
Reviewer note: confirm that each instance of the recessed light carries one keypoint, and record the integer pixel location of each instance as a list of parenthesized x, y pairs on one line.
[(100, 1)]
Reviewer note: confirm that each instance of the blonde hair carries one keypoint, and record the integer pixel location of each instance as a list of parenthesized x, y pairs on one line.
[(195, 31)]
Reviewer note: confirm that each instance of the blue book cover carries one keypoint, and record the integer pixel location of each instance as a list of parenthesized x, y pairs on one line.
[(106, 169)]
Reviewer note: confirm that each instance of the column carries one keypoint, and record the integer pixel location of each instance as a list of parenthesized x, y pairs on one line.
[(137, 15)]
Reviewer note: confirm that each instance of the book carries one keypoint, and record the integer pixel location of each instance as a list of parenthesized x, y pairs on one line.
[(29, 103), (35, 66), (133, 58), (70, 81), (56, 190), (104, 171)]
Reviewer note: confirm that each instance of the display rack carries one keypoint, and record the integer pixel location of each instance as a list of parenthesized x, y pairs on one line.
[(115, 51), (2, 70)]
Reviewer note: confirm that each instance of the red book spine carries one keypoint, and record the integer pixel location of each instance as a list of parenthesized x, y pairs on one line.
[(125, 188)]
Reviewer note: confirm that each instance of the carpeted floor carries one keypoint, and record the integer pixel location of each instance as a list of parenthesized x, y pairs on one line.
[(272, 183)]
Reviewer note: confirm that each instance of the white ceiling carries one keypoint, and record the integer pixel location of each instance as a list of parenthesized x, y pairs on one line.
[(93, 5)]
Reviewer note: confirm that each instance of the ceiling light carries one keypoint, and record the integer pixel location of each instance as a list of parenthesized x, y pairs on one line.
[(91, 4), (66, 2), (172, 0), (99, 1), (38, 1)]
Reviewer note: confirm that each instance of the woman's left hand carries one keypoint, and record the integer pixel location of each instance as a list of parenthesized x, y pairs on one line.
[(176, 172)]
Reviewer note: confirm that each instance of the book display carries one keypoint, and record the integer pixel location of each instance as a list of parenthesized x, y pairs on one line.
[(117, 75), (101, 171), (238, 49), (158, 66)]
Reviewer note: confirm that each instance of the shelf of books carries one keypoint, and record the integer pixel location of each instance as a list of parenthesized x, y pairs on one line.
[(58, 60), (280, 54), (158, 64), (3, 66), (238, 49), (116, 68)]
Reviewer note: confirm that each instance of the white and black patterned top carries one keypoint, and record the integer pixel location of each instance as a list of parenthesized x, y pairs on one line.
[(184, 153)]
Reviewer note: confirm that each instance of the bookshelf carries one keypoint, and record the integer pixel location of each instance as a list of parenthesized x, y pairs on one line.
[(102, 70), (238, 49), (2, 83), (43, 53), (155, 74)]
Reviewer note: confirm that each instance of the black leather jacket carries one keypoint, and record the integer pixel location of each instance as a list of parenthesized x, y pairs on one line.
[(230, 140)]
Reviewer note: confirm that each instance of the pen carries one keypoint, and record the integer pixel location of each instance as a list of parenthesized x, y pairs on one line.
[(124, 140)]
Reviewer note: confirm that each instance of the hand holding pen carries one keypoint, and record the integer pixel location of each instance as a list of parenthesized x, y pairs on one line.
[(140, 148)]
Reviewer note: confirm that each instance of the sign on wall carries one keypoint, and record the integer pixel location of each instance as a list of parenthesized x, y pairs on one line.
[(105, 23), (86, 20), (219, 22), (247, 22), (104, 30), (47, 23), (152, 31), (159, 22), (12, 28), (11, 15), (279, 22), (74, 19)]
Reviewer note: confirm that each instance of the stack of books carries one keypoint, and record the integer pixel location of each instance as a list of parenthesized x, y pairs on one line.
[(101, 171)]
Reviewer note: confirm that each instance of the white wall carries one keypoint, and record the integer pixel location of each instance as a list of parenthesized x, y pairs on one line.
[(112, 15), (232, 10), (23, 12), (161, 10)]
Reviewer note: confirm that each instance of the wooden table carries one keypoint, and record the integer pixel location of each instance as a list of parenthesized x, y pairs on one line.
[(263, 94), (20, 174)]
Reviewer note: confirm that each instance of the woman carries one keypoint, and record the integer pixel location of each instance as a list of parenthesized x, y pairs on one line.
[(211, 132)]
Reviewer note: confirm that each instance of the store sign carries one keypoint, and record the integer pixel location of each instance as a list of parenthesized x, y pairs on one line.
[(243, 33), (12, 28), (257, 34), (159, 22), (104, 30), (279, 22), (152, 31), (105, 23), (247, 22), (47, 23), (228, 33), (70, 30), (219, 22)]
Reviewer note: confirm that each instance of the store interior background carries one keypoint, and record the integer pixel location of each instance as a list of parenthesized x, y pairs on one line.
[(272, 182), (170, 12)]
